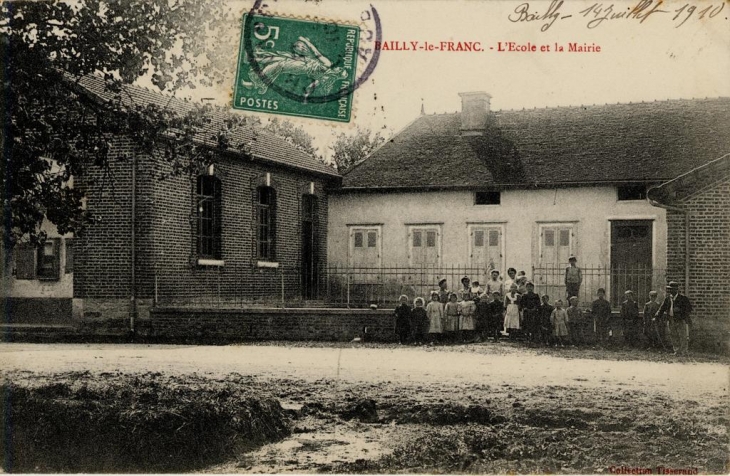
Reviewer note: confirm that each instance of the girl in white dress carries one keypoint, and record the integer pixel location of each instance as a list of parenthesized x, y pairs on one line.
[(512, 313), (435, 313)]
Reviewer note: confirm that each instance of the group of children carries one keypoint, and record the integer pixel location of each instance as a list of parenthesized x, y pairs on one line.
[(474, 314)]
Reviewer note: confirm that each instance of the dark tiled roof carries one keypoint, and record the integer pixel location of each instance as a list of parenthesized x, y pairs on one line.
[(641, 142), (678, 189), (262, 144)]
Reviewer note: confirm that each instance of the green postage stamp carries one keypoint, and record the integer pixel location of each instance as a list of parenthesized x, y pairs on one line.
[(296, 67)]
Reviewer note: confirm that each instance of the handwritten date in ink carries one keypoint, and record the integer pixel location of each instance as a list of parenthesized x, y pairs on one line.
[(600, 12)]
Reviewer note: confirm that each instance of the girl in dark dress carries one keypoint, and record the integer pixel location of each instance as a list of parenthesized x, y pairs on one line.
[(419, 322), (403, 320)]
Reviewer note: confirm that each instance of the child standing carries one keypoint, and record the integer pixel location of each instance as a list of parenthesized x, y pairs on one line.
[(435, 313), (419, 321), (559, 321), (601, 312), (630, 318), (546, 328), (531, 312), (496, 316), (467, 309), (573, 277), (403, 319), (651, 332), (575, 321), (451, 317), (481, 316), (443, 292), (512, 311)]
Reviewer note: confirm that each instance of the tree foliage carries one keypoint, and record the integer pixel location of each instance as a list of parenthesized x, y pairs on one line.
[(53, 131), (347, 150), (293, 134)]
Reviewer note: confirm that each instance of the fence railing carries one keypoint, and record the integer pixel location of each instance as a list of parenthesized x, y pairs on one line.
[(356, 287)]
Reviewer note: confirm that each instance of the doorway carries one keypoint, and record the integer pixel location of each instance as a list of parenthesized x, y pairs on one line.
[(631, 259), (310, 240)]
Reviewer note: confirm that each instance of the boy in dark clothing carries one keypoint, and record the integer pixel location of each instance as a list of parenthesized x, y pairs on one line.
[(650, 309), (630, 319), (419, 322), (403, 320), (496, 316), (575, 321), (546, 328), (482, 316), (531, 312), (601, 313)]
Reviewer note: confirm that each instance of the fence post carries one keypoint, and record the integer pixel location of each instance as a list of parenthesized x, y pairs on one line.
[(219, 285), (154, 304)]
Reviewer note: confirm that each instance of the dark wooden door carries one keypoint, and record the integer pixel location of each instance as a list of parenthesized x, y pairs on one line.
[(631, 263)]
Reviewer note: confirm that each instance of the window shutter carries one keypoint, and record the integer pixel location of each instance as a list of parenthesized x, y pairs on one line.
[(25, 254), (69, 255), (56, 258)]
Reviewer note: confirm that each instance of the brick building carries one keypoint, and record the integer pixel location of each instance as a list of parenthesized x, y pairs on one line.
[(249, 228), (698, 254)]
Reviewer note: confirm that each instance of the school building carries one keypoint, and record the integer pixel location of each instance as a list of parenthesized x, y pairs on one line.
[(468, 192), (247, 229)]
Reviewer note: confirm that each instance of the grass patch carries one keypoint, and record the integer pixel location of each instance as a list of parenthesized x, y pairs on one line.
[(146, 423)]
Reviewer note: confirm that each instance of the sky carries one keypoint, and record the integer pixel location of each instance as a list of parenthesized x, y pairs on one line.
[(640, 59)]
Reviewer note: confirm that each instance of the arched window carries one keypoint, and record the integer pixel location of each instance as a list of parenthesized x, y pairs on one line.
[(266, 223), (209, 217)]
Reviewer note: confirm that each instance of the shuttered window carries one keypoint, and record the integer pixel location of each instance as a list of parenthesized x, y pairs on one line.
[(25, 255), (556, 244), (69, 248), (425, 246)]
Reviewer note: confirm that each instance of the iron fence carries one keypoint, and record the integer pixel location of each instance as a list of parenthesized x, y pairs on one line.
[(236, 286), (615, 281)]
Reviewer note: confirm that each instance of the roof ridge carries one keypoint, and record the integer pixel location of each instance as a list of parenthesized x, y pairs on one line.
[(280, 151), (585, 106)]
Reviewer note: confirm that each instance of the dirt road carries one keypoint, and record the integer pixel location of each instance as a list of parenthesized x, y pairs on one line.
[(490, 363), (478, 408)]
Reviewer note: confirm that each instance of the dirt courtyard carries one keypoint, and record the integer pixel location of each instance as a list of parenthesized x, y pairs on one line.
[(473, 408)]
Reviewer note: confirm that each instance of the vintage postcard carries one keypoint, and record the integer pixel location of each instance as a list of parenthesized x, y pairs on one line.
[(343, 236)]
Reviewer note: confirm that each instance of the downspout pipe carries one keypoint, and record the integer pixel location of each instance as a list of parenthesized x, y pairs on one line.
[(133, 254), (686, 234)]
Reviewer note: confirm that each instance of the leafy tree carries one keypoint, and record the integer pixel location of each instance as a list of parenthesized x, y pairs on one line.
[(294, 134), (53, 131), (347, 150)]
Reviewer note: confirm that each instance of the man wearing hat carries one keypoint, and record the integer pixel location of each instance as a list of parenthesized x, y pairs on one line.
[(573, 278), (678, 308)]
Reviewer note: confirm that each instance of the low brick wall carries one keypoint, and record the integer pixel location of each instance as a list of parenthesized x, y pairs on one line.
[(271, 324)]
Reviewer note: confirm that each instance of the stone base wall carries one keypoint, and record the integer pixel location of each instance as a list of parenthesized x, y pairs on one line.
[(272, 324)]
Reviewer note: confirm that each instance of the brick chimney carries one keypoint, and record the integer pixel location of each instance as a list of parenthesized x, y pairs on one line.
[(474, 111)]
